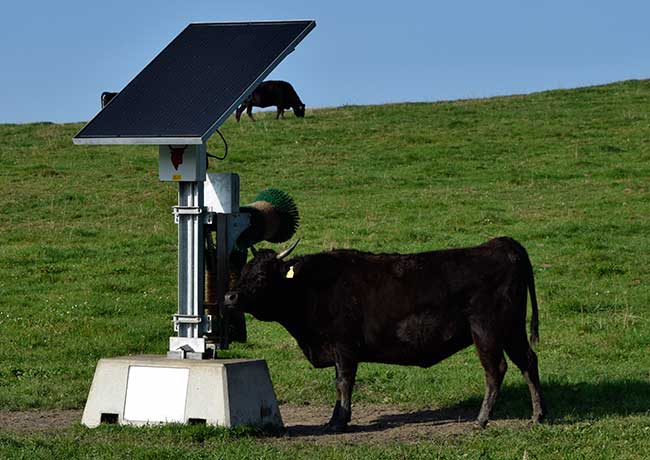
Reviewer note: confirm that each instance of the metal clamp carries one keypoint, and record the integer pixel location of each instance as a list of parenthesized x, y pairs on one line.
[(192, 210), (193, 319), (187, 211)]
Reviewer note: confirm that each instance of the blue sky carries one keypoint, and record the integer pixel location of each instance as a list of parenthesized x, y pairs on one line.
[(57, 57)]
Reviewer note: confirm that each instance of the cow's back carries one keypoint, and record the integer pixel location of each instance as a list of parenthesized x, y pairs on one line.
[(275, 92)]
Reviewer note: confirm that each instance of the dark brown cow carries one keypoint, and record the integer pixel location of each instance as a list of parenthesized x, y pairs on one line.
[(344, 307), (273, 92)]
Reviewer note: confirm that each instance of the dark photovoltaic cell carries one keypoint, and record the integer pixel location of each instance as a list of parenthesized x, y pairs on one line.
[(194, 84)]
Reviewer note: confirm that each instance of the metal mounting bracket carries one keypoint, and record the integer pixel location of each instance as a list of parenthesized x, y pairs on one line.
[(187, 211), (206, 320)]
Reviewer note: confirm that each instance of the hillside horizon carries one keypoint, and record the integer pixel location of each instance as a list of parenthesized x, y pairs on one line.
[(440, 101)]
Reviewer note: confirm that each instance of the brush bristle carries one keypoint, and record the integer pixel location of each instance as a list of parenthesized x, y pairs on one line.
[(286, 210), (278, 213)]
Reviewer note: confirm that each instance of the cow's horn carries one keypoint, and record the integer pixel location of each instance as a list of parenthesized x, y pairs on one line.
[(288, 251)]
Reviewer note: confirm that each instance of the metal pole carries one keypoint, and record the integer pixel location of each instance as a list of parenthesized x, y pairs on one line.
[(186, 165), (190, 256)]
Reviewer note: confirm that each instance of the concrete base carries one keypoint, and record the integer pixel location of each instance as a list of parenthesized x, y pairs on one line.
[(140, 390)]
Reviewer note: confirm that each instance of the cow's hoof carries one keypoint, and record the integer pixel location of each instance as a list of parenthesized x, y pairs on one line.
[(481, 424), (335, 427), (537, 418)]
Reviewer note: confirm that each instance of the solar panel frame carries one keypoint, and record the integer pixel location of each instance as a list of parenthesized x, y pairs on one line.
[(194, 138)]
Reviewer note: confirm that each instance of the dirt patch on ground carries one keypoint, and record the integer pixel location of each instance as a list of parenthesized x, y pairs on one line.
[(304, 423), (38, 421)]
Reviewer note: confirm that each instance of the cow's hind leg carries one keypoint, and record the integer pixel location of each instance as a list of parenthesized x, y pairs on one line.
[(346, 371), (519, 351), (249, 112), (495, 366)]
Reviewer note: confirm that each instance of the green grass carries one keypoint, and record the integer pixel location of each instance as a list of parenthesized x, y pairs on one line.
[(603, 439), (88, 263)]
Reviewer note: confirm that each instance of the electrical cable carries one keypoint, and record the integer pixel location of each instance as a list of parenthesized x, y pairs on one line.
[(225, 144)]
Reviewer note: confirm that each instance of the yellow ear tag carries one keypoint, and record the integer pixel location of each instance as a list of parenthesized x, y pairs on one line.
[(290, 272)]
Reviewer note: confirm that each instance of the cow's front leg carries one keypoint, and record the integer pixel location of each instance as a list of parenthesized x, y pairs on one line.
[(239, 111), (346, 372)]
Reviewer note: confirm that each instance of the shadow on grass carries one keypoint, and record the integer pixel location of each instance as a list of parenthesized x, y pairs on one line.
[(567, 403), (444, 416)]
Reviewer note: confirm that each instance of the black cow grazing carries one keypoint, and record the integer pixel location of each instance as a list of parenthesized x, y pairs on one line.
[(344, 307), (106, 98), (273, 92)]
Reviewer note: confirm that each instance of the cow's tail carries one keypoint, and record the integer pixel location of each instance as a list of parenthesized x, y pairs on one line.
[(534, 320), (527, 268)]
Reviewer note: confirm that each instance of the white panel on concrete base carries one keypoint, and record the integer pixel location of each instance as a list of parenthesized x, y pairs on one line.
[(136, 390), (156, 394)]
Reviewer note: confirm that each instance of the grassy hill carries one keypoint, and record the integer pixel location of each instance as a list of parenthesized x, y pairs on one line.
[(88, 259)]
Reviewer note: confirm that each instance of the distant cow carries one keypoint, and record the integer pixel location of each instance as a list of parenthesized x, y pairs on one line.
[(106, 98), (344, 307), (272, 92)]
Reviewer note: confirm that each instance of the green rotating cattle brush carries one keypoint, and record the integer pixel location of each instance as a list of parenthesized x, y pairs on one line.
[(274, 218)]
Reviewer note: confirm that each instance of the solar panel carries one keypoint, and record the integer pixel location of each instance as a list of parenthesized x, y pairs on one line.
[(194, 84)]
